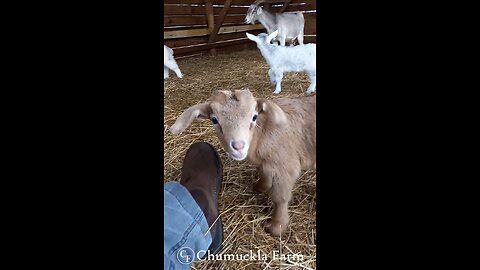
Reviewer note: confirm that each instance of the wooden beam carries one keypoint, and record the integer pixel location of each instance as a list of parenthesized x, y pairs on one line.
[(220, 20)]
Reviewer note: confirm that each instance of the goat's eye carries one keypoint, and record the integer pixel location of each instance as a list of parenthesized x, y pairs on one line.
[(254, 118), (214, 120)]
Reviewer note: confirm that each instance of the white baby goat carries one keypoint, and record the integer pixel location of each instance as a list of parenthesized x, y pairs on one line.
[(278, 136), (169, 63), (287, 59)]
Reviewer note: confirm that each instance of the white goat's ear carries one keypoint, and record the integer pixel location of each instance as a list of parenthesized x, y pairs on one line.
[(272, 36), (273, 112), (199, 111), (252, 37)]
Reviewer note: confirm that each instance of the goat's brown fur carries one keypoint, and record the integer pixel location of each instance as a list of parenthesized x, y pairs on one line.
[(281, 142)]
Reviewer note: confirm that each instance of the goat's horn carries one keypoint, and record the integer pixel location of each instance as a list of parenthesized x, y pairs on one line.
[(258, 2)]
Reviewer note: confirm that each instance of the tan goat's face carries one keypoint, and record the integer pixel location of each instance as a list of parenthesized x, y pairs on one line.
[(234, 115)]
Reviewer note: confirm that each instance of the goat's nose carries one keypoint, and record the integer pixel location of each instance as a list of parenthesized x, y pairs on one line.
[(238, 145)]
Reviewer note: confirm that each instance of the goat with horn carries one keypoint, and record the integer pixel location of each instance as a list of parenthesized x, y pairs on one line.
[(289, 25)]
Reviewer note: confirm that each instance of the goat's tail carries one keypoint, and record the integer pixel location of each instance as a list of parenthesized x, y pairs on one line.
[(300, 14)]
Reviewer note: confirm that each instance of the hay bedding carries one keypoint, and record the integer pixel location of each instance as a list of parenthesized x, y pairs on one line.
[(243, 211)]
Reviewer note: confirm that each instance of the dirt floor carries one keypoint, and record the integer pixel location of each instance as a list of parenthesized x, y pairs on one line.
[(242, 210)]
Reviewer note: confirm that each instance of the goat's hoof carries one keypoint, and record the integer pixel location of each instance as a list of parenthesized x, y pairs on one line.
[(275, 227), (260, 187), (276, 92)]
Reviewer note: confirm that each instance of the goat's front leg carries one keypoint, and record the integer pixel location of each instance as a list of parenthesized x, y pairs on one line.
[(300, 38), (278, 80), (272, 76), (313, 82), (165, 72), (266, 179), (281, 193), (173, 66), (282, 41)]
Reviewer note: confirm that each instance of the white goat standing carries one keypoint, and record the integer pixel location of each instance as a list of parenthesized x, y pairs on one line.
[(287, 59), (289, 25), (169, 63)]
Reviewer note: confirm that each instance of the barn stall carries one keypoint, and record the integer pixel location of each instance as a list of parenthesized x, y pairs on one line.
[(212, 51)]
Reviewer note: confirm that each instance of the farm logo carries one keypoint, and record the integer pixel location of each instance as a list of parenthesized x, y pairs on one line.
[(186, 255)]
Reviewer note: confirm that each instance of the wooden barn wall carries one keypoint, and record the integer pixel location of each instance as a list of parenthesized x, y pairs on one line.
[(189, 24)]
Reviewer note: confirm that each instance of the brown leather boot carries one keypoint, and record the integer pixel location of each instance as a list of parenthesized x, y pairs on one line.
[(202, 175)]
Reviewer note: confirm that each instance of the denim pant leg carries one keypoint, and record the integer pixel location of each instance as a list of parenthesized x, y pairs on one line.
[(184, 230)]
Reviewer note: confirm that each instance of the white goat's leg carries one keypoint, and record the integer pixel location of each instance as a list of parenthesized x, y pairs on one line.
[(313, 82), (165, 72), (179, 73), (282, 41), (278, 79), (171, 64), (272, 76), (300, 38)]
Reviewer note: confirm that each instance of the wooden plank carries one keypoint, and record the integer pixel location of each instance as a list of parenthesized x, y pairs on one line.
[(182, 10), (233, 10), (204, 31), (182, 42), (200, 10), (310, 27), (294, 8), (233, 19), (285, 5), (282, 1), (184, 20), (186, 33), (240, 28), (191, 41), (202, 47), (215, 2), (176, 9), (237, 35), (184, 1), (219, 21), (221, 50), (310, 16), (309, 39)]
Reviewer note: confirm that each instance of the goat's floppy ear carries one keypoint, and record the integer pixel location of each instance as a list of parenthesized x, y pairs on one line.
[(252, 37), (274, 113), (272, 36), (199, 111)]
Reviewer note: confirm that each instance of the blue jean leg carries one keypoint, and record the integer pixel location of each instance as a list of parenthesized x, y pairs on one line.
[(184, 230)]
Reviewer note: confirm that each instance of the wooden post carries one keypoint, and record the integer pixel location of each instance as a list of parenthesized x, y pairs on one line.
[(210, 21), (218, 24)]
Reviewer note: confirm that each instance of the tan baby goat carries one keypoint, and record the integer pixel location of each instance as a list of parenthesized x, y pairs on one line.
[(278, 136)]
